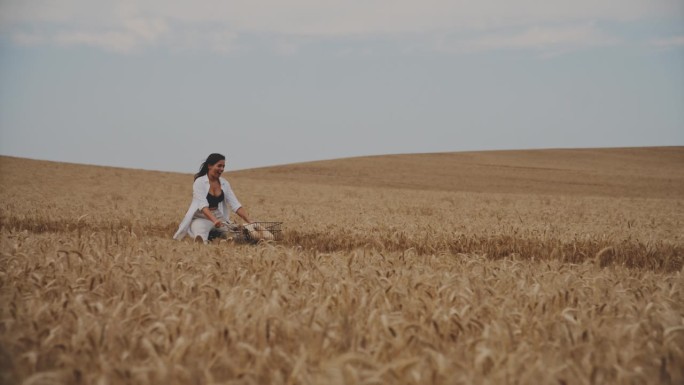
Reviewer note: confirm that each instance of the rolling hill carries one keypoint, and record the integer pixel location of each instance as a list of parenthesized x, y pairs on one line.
[(656, 172), (544, 266)]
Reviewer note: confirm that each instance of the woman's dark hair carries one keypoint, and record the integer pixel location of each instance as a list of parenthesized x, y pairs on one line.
[(211, 160)]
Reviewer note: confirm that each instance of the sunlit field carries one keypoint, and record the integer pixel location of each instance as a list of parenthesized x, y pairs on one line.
[(523, 267)]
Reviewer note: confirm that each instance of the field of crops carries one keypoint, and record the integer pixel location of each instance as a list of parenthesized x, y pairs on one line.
[(550, 267)]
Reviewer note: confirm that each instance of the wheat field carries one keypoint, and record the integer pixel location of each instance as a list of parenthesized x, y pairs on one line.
[(511, 267)]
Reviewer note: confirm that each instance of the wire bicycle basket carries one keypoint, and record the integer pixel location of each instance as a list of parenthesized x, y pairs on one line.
[(258, 231)]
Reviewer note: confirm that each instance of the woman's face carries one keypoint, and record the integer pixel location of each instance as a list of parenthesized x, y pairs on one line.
[(216, 169)]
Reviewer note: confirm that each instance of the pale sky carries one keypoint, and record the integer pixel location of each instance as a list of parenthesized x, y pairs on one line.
[(161, 84)]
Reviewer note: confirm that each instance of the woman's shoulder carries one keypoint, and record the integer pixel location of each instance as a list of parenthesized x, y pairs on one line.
[(201, 180), (224, 181)]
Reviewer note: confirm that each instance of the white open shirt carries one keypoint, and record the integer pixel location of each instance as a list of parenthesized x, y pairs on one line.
[(200, 189)]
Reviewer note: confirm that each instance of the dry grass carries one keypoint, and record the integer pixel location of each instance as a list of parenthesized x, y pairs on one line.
[(376, 284)]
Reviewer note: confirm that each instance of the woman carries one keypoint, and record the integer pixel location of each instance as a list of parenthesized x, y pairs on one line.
[(210, 194)]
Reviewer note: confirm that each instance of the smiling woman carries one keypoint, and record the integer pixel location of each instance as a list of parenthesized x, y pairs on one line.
[(207, 216)]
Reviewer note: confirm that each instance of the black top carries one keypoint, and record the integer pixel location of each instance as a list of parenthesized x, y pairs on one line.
[(214, 201)]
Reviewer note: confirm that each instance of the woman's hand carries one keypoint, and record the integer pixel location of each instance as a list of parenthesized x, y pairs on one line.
[(210, 216)]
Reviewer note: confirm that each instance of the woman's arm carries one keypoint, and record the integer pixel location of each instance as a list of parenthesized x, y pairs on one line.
[(200, 189), (243, 214), (207, 213), (232, 201)]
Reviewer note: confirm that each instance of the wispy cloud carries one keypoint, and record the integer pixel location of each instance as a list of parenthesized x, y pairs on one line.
[(670, 42), (558, 38), (218, 25), (131, 34)]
